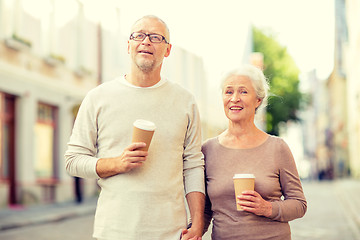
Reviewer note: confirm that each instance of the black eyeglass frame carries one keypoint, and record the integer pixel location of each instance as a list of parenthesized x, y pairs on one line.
[(148, 35)]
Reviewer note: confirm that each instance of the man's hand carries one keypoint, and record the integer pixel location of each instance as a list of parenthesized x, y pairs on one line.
[(196, 202), (187, 234), (129, 159)]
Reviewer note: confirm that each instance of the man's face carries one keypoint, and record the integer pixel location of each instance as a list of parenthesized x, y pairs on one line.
[(146, 55)]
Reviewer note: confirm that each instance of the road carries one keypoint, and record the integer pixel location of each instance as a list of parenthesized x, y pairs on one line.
[(327, 218)]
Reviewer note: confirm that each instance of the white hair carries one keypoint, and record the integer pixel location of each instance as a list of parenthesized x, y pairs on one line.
[(256, 77), (157, 18)]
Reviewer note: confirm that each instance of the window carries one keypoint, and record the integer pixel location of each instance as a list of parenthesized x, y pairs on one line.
[(45, 142)]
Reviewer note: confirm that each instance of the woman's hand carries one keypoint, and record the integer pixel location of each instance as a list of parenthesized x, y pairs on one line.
[(252, 201)]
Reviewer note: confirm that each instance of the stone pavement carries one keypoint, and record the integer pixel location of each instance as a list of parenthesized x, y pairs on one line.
[(333, 213), (20, 217), (348, 192)]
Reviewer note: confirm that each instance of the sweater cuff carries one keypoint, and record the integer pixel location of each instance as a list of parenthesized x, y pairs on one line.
[(95, 175), (194, 180), (275, 210)]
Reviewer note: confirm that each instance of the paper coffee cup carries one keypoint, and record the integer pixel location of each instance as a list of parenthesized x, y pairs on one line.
[(243, 182), (143, 131)]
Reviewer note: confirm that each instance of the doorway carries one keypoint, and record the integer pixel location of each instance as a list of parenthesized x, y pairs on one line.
[(7, 145)]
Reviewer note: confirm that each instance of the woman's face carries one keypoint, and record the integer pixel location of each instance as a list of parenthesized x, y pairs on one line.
[(239, 99)]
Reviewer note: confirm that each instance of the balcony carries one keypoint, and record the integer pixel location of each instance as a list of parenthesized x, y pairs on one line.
[(17, 43)]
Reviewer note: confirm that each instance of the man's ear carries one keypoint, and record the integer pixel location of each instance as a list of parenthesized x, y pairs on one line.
[(168, 50)]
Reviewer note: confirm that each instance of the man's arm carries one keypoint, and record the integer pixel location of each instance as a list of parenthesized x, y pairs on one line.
[(193, 171), (196, 202)]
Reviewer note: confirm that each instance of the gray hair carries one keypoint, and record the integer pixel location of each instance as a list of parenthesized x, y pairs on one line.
[(156, 18), (256, 77)]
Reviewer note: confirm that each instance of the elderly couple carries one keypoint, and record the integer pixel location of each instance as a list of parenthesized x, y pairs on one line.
[(142, 192)]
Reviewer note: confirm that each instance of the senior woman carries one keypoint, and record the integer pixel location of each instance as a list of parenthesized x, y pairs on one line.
[(243, 148)]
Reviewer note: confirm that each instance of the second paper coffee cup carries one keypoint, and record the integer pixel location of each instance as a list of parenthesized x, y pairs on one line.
[(143, 131), (243, 182)]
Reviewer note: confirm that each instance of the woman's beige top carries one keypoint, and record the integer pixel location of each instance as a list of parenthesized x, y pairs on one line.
[(277, 181)]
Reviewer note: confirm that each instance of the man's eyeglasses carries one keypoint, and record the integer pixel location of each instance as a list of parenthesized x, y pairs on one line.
[(153, 37)]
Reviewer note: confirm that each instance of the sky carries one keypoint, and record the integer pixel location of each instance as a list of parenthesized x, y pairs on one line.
[(216, 30)]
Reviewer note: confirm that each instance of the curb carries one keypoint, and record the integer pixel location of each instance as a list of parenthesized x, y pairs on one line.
[(11, 219)]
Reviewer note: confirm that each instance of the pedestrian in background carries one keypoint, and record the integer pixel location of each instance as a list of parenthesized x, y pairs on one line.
[(142, 192), (244, 148)]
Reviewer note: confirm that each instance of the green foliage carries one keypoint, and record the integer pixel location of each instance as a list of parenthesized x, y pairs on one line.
[(283, 75)]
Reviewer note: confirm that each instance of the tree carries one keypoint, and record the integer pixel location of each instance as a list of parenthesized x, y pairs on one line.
[(283, 76)]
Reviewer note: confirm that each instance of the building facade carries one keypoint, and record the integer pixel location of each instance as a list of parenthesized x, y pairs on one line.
[(352, 66), (344, 90), (43, 78), (49, 60), (343, 134)]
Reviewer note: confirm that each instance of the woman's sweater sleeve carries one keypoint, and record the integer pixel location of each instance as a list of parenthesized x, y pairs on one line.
[(207, 213), (294, 204)]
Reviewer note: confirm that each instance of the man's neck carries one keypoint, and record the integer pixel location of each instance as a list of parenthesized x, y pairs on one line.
[(143, 79)]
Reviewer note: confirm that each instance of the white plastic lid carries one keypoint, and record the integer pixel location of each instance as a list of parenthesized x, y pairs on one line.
[(244, 175), (145, 125)]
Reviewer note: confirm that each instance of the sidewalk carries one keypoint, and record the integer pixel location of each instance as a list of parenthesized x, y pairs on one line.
[(348, 192), (21, 217), (332, 211)]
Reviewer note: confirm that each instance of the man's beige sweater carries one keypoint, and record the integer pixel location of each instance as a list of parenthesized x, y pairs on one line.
[(148, 202)]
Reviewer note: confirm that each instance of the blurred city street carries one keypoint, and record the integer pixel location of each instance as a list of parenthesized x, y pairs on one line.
[(333, 214), (53, 53), (333, 211)]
